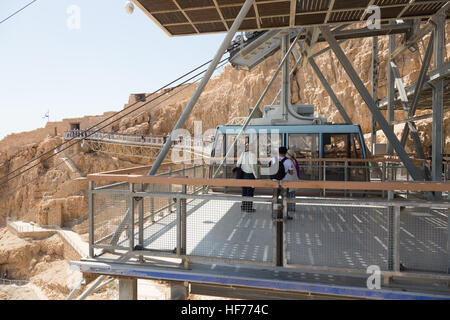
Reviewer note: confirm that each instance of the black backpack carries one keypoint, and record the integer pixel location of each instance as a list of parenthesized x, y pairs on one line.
[(281, 171)]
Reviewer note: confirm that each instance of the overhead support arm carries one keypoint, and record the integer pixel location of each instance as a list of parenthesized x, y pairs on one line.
[(187, 111), (412, 169), (311, 40), (429, 26), (261, 98), (292, 13)]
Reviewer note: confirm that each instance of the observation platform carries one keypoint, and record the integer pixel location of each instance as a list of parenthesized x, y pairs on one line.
[(181, 234)]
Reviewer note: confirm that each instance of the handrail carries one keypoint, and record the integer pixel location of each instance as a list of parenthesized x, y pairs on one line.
[(12, 281), (265, 183)]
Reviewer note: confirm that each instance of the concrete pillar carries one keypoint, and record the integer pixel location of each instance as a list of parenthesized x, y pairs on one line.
[(127, 289), (178, 290)]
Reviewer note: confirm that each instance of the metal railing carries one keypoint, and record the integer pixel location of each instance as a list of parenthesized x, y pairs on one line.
[(7, 282), (108, 136), (376, 170), (333, 234)]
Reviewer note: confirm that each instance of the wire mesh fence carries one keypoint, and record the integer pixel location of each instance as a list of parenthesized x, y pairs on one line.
[(183, 221), (341, 236), (220, 229), (109, 211), (423, 239)]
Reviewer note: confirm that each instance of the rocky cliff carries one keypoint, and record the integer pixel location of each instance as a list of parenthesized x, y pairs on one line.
[(52, 186), (233, 92)]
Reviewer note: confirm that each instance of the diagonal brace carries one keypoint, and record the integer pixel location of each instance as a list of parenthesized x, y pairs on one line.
[(404, 101), (419, 85), (330, 91), (379, 118)]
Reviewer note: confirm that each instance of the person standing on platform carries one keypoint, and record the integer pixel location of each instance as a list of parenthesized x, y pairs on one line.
[(295, 176), (248, 164), (285, 169)]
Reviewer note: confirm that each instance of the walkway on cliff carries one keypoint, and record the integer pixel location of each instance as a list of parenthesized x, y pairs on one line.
[(27, 229)]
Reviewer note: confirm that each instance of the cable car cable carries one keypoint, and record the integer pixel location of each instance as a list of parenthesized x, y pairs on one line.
[(91, 133)]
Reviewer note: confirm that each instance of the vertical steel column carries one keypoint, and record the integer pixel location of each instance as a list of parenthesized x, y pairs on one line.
[(131, 225), (285, 98), (283, 229), (393, 235), (277, 216), (170, 190), (438, 102), (91, 219), (448, 240), (183, 205), (181, 225), (152, 203), (373, 131), (390, 225), (390, 91), (141, 220), (187, 111), (396, 239)]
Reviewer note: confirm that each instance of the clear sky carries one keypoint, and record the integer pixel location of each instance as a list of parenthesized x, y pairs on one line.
[(45, 65)]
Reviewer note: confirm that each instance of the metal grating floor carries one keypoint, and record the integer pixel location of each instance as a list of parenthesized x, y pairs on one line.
[(333, 236)]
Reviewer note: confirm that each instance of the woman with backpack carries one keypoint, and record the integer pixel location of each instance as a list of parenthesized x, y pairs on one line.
[(286, 171), (292, 177)]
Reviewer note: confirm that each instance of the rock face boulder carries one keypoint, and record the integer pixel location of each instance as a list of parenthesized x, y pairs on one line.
[(20, 256)]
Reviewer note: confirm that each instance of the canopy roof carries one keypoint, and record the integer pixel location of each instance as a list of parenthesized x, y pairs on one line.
[(189, 17)]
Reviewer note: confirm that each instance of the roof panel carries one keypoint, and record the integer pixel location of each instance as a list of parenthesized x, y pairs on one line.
[(215, 26), (184, 17), (275, 22), (171, 17), (248, 24), (185, 4), (158, 5), (203, 15), (232, 12), (274, 9)]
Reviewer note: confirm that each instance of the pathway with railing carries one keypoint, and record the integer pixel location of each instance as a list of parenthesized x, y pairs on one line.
[(115, 137), (72, 238)]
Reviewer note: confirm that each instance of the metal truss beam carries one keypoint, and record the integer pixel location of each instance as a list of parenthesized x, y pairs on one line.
[(429, 26), (368, 33), (438, 100), (404, 101), (390, 114), (330, 91), (412, 169), (310, 42), (373, 132), (419, 86)]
